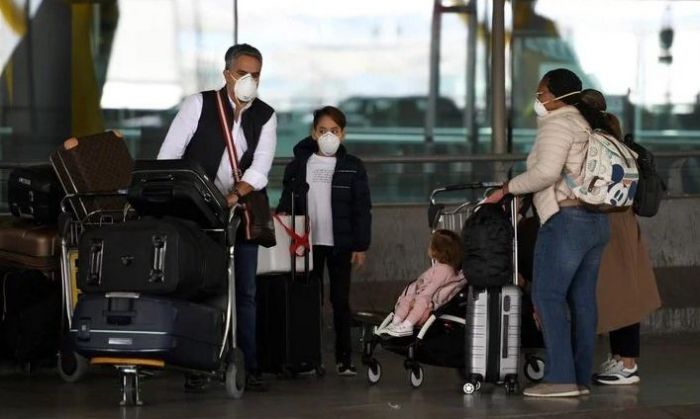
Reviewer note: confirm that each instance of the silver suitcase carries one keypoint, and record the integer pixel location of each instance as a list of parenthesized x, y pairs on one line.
[(492, 330)]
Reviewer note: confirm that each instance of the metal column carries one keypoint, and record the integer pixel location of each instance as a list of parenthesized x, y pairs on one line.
[(434, 83), (498, 84), (470, 102), (235, 22)]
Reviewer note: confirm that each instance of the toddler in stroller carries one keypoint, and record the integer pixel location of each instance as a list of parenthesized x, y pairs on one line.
[(433, 288)]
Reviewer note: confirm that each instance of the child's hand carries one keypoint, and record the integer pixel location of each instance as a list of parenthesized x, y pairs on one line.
[(358, 259)]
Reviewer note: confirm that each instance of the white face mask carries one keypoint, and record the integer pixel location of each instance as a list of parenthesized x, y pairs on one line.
[(328, 144), (246, 88), (539, 108)]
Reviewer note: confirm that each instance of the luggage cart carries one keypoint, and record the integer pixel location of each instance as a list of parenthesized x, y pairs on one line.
[(72, 366)]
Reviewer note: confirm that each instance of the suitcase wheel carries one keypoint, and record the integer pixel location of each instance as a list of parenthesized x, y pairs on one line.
[(72, 367), (415, 376), (511, 384), (235, 376), (374, 371)]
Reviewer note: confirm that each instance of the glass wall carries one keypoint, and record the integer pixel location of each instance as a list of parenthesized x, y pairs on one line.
[(71, 68)]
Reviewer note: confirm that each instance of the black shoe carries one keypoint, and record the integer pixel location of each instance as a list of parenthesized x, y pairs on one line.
[(195, 383), (254, 382)]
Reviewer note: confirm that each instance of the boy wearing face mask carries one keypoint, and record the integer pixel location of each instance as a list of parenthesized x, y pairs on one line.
[(196, 134), (334, 183)]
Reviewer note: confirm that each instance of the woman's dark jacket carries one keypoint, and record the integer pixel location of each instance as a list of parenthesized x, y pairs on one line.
[(350, 199)]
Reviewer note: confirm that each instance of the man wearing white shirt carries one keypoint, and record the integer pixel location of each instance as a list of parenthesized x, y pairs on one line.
[(195, 134)]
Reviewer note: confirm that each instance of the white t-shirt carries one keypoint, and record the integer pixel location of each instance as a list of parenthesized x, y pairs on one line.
[(319, 175)]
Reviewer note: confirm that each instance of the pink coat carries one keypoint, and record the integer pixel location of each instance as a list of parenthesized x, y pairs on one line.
[(435, 286)]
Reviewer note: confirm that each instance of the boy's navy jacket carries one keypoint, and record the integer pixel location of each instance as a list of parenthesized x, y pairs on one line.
[(350, 199)]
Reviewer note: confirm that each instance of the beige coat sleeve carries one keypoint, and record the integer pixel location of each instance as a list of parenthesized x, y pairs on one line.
[(552, 145)]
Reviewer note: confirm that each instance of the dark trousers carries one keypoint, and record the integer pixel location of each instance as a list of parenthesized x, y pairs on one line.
[(245, 261), (625, 341), (339, 268)]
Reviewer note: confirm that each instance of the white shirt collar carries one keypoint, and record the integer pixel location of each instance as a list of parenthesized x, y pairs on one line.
[(233, 103)]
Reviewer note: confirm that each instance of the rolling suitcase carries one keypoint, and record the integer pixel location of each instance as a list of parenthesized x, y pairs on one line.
[(177, 188), (97, 163), (30, 295), (34, 192), (492, 329), (289, 320), (181, 333), (154, 256)]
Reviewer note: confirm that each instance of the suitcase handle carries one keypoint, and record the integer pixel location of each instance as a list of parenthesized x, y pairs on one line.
[(120, 311), (157, 274), (95, 262), (158, 193)]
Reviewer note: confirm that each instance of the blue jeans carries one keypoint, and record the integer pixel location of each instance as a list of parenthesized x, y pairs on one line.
[(567, 257), (245, 260)]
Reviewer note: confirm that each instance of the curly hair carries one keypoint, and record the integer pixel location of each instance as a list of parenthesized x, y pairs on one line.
[(446, 247)]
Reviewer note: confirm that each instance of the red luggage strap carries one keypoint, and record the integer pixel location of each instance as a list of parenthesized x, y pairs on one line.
[(298, 241)]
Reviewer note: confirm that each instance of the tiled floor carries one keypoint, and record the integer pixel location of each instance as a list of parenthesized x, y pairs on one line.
[(670, 388)]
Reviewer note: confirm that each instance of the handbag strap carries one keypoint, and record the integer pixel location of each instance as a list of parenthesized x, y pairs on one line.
[(228, 138), (298, 241)]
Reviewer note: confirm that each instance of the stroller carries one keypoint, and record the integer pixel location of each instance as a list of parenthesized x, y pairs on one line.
[(441, 340), (127, 340)]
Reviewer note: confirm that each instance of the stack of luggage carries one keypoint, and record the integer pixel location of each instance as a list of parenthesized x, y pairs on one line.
[(30, 294), (144, 274)]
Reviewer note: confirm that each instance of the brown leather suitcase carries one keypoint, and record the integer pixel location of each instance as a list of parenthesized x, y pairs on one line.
[(98, 163), (26, 245)]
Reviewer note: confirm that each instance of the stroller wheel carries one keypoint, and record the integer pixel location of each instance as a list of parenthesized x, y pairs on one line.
[(374, 371), (469, 388), (235, 376), (415, 376), (534, 369)]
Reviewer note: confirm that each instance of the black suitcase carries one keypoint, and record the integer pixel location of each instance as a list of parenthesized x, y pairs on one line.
[(181, 333), (289, 321), (30, 324), (177, 188), (153, 256), (34, 192), (289, 324)]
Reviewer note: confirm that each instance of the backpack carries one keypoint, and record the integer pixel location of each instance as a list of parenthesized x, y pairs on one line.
[(609, 174), (651, 188), (487, 240)]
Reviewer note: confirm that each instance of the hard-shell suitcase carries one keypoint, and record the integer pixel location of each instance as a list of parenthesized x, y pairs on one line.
[(97, 163), (26, 245), (492, 348), (34, 192), (154, 256), (289, 319), (177, 188), (181, 333)]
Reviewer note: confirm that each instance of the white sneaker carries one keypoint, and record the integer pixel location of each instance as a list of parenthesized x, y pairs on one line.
[(619, 376), (609, 365), (399, 330)]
